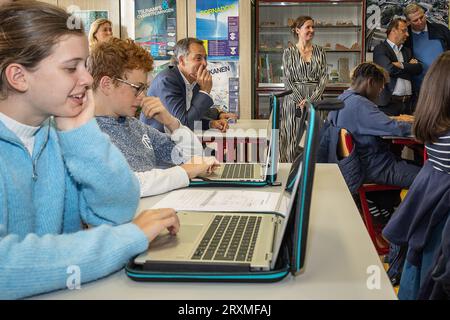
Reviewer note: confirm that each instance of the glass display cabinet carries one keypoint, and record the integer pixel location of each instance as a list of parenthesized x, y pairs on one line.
[(339, 28)]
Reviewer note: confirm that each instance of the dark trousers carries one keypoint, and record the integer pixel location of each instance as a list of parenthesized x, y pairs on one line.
[(397, 107), (397, 173)]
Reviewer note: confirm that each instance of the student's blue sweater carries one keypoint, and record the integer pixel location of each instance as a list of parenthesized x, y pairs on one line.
[(72, 177), (426, 50)]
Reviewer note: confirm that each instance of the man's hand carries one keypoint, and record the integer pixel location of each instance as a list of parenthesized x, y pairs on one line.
[(152, 222), (221, 124), (200, 166), (152, 107), (413, 61), (227, 115), (86, 114), (204, 79), (398, 64)]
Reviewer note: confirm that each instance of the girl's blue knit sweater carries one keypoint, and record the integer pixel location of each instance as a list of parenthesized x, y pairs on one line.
[(72, 177)]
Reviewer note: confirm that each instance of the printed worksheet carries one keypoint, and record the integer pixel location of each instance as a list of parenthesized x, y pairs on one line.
[(220, 200)]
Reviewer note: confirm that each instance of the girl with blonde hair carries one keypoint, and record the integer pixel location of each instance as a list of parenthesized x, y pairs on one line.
[(100, 31)]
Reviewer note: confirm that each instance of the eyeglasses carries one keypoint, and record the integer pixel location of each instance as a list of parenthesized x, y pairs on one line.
[(139, 88)]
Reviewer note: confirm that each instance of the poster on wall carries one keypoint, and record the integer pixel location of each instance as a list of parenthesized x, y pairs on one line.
[(156, 26), (381, 12), (217, 23), (225, 90), (87, 17)]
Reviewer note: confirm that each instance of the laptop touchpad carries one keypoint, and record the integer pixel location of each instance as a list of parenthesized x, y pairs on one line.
[(187, 235), (166, 246)]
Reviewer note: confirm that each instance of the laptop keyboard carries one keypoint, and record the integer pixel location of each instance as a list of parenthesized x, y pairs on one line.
[(238, 171), (229, 238)]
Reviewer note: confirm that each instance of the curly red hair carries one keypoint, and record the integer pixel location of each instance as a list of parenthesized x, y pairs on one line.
[(115, 57)]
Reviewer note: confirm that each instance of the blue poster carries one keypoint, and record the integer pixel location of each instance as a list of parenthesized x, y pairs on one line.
[(218, 25), (225, 90), (156, 26)]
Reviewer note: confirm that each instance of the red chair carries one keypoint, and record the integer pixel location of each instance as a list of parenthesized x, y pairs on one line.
[(345, 148)]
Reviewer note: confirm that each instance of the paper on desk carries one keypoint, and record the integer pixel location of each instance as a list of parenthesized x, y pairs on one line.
[(220, 200)]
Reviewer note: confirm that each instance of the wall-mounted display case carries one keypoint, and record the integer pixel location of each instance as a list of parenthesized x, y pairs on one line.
[(339, 28)]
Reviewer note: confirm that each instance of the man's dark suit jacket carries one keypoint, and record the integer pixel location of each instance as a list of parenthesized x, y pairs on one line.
[(384, 56), (435, 31), (169, 86)]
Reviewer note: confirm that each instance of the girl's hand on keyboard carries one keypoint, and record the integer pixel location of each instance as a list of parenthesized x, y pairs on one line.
[(153, 222)]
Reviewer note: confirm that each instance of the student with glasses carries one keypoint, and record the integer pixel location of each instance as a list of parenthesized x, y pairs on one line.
[(140, 88), (161, 161)]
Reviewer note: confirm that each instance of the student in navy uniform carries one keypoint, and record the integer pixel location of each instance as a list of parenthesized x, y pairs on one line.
[(421, 222), (364, 120)]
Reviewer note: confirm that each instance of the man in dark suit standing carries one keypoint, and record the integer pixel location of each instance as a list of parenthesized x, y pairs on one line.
[(184, 89), (396, 97)]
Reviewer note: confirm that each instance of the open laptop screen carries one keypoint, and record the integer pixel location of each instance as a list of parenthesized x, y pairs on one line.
[(272, 137), (299, 219)]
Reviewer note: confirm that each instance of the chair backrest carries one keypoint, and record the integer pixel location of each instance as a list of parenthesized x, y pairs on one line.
[(345, 144)]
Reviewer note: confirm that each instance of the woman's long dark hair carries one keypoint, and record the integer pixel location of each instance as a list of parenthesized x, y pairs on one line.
[(432, 115)]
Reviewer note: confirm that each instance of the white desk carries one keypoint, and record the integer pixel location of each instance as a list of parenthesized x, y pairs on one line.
[(242, 141), (338, 254)]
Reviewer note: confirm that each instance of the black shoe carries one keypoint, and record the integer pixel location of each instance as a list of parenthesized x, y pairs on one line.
[(395, 280)]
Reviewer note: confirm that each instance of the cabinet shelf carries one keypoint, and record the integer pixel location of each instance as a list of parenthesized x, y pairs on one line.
[(339, 30), (267, 28), (278, 51), (271, 50), (349, 50), (266, 86)]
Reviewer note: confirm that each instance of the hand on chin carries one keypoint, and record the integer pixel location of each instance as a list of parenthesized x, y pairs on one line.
[(78, 115)]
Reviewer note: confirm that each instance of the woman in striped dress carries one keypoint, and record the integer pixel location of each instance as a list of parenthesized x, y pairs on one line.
[(305, 73), (422, 221)]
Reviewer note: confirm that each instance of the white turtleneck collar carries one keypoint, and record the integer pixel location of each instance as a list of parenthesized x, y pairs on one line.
[(24, 132)]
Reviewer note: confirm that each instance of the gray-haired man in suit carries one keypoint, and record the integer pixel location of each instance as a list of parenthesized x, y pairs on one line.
[(184, 89)]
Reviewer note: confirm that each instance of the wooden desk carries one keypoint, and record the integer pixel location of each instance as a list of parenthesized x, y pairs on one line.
[(338, 256), (244, 141)]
